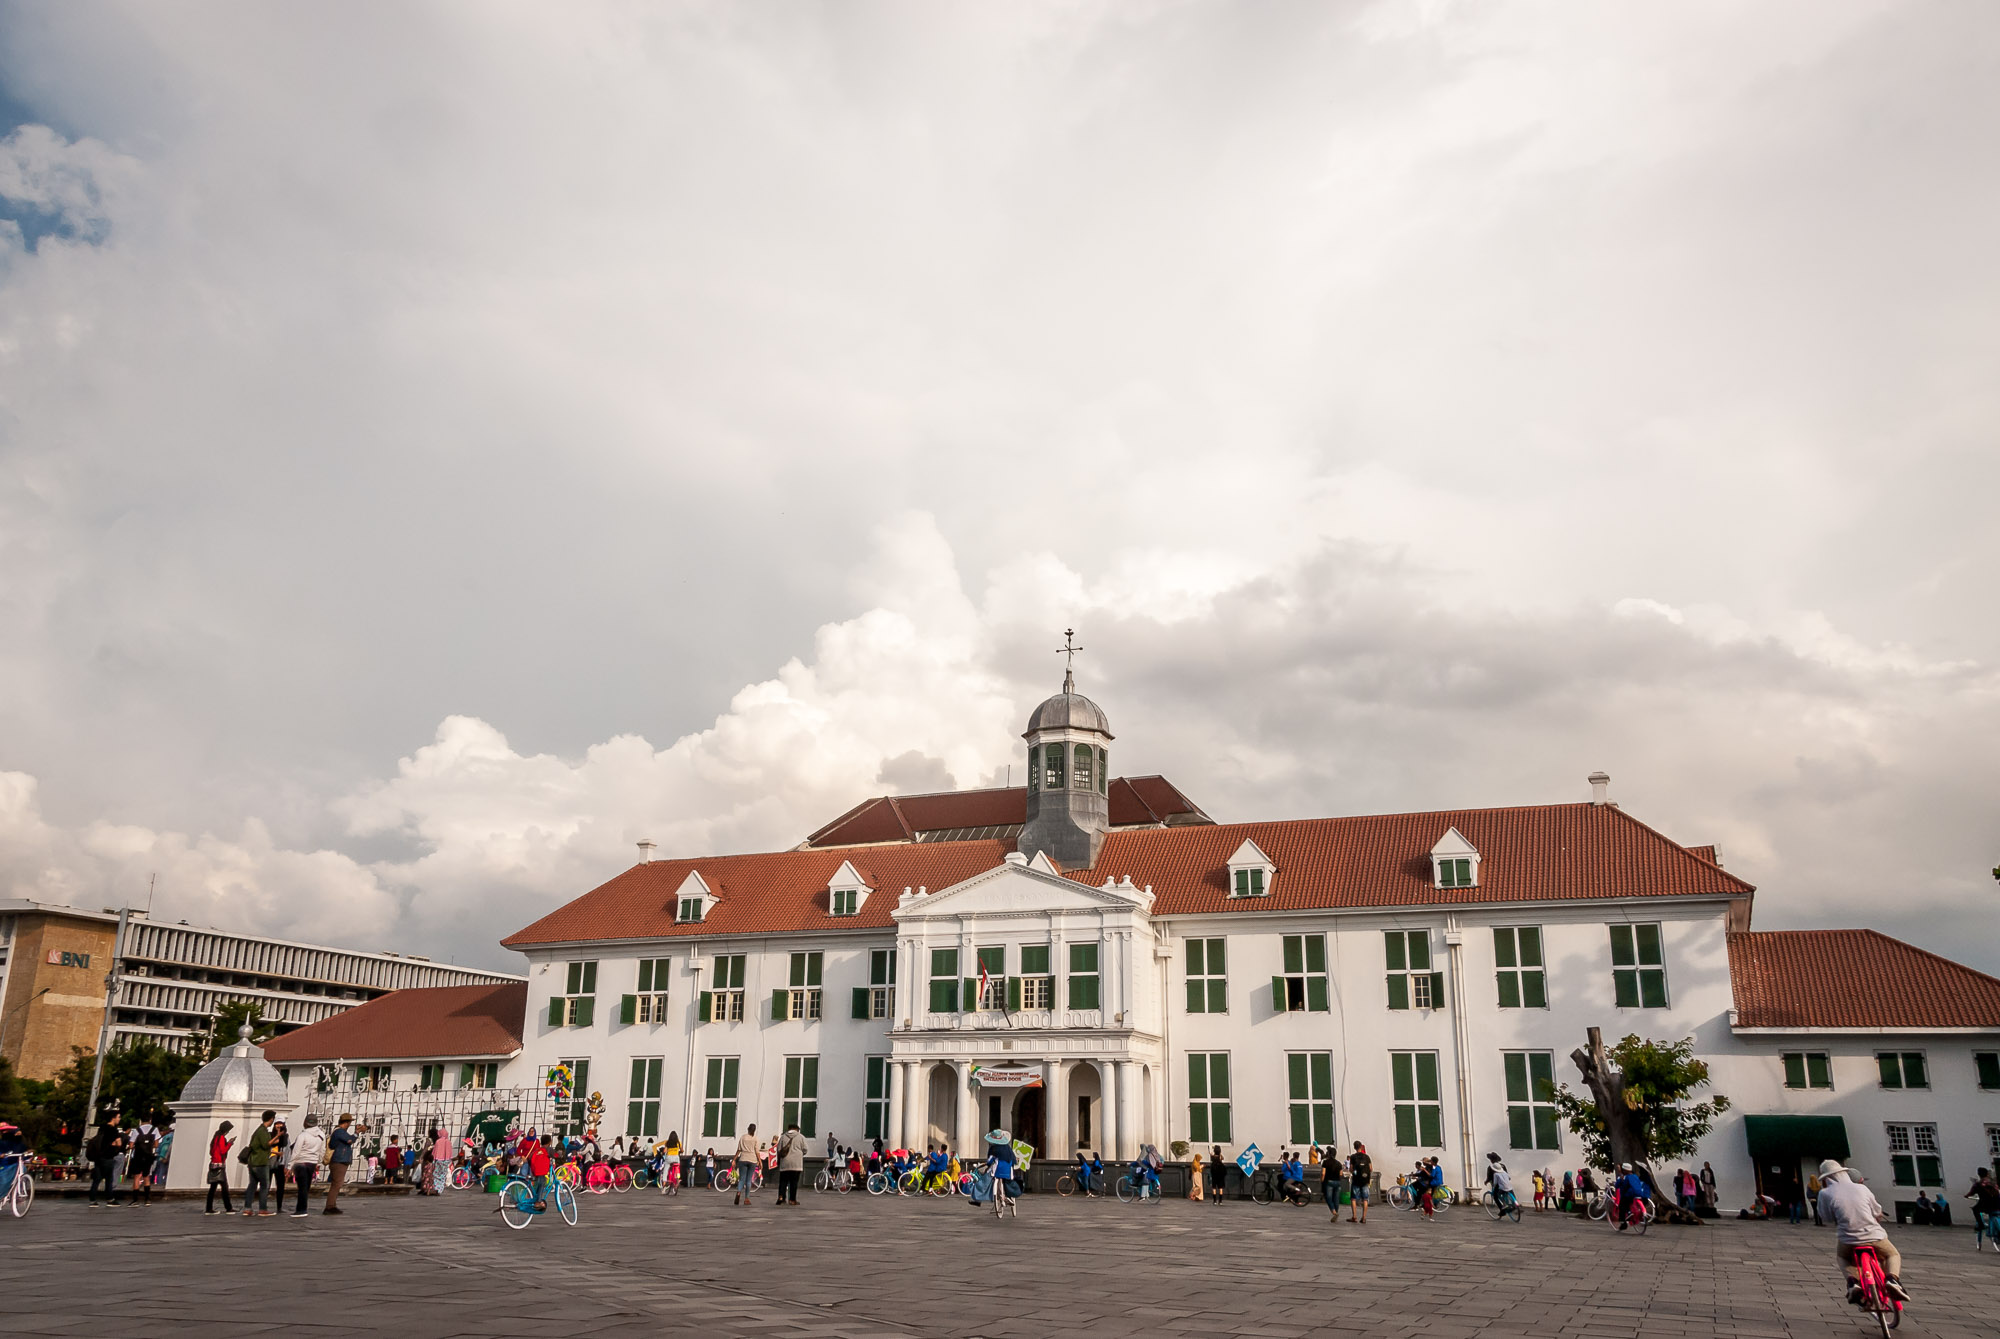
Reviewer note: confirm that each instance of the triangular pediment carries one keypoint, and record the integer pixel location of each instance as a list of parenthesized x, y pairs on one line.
[(1041, 864), (693, 886), (1453, 843), (847, 877), (1011, 889), (1249, 853)]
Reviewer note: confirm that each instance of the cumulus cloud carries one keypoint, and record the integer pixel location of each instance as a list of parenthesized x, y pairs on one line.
[(689, 420)]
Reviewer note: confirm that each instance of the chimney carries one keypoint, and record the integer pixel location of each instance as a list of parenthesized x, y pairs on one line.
[(646, 850), (1600, 788)]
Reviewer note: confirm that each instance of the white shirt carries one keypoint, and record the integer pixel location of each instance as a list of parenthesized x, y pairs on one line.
[(1853, 1210)]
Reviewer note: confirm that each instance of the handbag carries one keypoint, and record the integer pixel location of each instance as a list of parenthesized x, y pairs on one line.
[(215, 1177)]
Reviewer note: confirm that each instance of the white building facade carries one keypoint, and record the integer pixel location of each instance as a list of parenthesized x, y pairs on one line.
[(1415, 982)]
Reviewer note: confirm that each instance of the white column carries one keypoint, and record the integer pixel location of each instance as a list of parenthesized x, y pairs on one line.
[(968, 1136), (1107, 1109), (1128, 1110), (893, 1135), (1055, 1106), (916, 1116)]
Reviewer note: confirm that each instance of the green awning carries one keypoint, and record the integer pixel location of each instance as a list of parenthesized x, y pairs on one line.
[(1788, 1139), (490, 1127)]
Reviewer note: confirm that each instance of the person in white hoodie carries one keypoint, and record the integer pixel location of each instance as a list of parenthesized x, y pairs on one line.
[(306, 1152)]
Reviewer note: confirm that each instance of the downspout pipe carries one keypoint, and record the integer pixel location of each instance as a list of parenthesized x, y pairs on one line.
[(1454, 939)]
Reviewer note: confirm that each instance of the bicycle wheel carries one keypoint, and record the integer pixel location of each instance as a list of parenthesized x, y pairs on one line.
[(517, 1205), (597, 1179), (878, 1184), (1642, 1217), (1440, 1199), (911, 1183), (24, 1193), (1065, 1185), (460, 1178), (642, 1178), (844, 1182), (723, 1181), (567, 1174), (1593, 1208), (823, 1183), (566, 1202), (1491, 1203), (1514, 1209), (623, 1178), (1128, 1190), (1261, 1190)]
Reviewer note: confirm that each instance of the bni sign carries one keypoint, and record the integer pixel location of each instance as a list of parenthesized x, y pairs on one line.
[(62, 958)]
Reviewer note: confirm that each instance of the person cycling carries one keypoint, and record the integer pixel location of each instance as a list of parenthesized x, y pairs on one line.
[(935, 1167), (1000, 1165), (1629, 1189), (13, 1154), (1856, 1216), (1087, 1166), (1502, 1183), (1146, 1168), (1985, 1197), (1292, 1179)]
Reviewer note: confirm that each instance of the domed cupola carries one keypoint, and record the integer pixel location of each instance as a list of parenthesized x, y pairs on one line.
[(1069, 776)]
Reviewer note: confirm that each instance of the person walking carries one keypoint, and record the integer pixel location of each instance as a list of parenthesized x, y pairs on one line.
[(1360, 1171), (1195, 1177), (258, 1158), (103, 1150), (746, 1165), (791, 1164), (139, 1165), (1330, 1179), (306, 1152), (218, 1167), (340, 1154)]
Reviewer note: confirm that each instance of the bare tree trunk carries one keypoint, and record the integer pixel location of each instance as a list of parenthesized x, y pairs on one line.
[(1624, 1128)]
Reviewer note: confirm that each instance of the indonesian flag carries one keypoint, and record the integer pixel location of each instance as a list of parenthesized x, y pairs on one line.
[(982, 985)]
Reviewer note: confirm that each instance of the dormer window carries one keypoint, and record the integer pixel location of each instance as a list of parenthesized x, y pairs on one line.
[(846, 891), (1251, 873), (1454, 862), (691, 903)]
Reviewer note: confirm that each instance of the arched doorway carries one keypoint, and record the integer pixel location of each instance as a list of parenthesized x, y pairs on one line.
[(1031, 1120)]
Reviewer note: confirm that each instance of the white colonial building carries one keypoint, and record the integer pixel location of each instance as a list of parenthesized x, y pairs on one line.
[(1093, 962)]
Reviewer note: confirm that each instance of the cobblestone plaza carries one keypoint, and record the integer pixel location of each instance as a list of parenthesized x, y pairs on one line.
[(853, 1266)]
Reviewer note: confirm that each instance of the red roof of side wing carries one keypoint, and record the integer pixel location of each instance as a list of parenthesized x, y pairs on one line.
[(419, 1024), (1853, 979), (1543, 853)]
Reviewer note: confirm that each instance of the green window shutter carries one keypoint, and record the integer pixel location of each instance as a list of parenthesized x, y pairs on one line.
[(1316, 954), (861, 1002), (993, 959), (1430, 1125), (1218, 995), (1534, 994), (1795, 1069), (1622, 953), (556, 1008), (1298, 1088), (1547, 1133), (645, 975), (1406, 1125), (586, 1011), (1648, 939), (1542, 1076), (1083, 992), (1104, 771), (1520, 1128), (1198, 1077), (465, 1076), (1396, 947), (798, 969), (1256, 883), (1013, 992), (1402, 1080), (1243, 883), (1316, 994), (815, 961), (1295, 954), (575, 978), (1301, 1123), (1891, 1067), (1218, 1075), (1903, 1169), (1819, 1070), (1198, 1122), (1503, 949), (1625, 988), (1517, 1079), (781, 1003), (707, 1005), (968, 995), (1531, 946), (1437, 990), (736, 961), (1427, 1076), (1034, 960), (1510, 989), (1219, 1123), (628, 1008), (1988, 1064), (1278, 994), (1195, 948), (1197, 997), (1914, 1073), (1218, 957), (1652, 988), (1930, 1170), (1399, 992), (1420, 951)]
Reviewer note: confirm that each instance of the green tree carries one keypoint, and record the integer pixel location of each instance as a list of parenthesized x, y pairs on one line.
[(143, 1077), (1638, 1109), (228, 1022), (54, 1124)]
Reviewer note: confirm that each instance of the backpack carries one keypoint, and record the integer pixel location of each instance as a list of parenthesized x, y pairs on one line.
[(144, 1144)]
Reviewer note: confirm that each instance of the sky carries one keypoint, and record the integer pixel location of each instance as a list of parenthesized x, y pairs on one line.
[(442, 445)]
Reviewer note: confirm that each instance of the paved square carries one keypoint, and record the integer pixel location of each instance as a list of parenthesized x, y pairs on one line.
[(640, 1264)]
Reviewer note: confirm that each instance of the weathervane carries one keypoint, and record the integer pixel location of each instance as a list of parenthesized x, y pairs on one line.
[(1069, 648)]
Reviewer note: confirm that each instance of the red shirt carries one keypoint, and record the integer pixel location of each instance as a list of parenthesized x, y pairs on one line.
[(538, 1161)]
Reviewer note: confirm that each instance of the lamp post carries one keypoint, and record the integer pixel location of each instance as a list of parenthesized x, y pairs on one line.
[(104, 1031)]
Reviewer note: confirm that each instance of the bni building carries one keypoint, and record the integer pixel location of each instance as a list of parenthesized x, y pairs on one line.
[(171, 978)]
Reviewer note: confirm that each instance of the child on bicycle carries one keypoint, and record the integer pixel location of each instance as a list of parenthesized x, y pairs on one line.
[(539, 1164), (1628, 1190), (1498, 1177), (1087, 1165)]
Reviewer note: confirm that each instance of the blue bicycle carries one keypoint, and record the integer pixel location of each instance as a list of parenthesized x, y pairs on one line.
[(519, 1207)]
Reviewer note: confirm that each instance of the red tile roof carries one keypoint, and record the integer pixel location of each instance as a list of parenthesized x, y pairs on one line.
[(428, 1023), (1544, 853), (1853, 979), (899, 818)]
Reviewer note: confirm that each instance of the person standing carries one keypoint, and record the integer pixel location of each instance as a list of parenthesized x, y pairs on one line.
[(440, 1160), (1195, 1177), (145, 1152), (104, 1149), (791, 1164), (165, 1156), (1218, 1175), (218, 1167), (1708, 1185), (305, 1155), (746, 1165), (258, 1157), (1360, 1171), (340, 1149)]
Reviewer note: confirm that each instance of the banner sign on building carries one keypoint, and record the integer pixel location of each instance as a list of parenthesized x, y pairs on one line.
[(987, 1077)]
